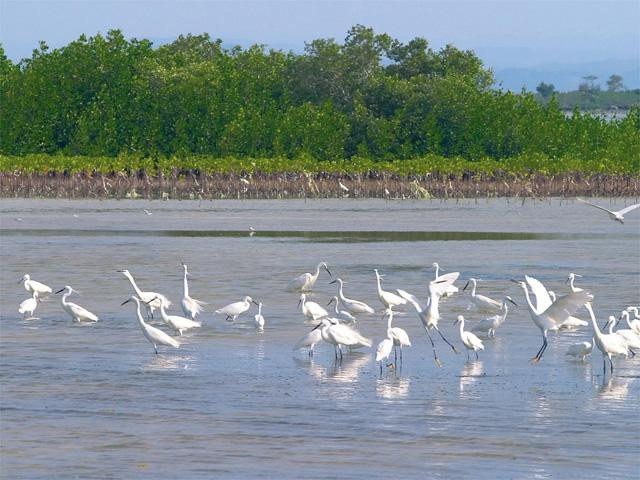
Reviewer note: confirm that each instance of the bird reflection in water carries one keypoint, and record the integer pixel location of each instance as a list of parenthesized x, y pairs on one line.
[(470, 373), (167, 362), (615, 388), (392, 387)]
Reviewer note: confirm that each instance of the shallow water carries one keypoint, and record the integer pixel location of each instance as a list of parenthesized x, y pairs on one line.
[(93, 401)]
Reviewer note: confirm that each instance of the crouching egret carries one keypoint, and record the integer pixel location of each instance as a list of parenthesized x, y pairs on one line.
[(309, 340), (311, 309), (444, 283), (580, 350), (489, 325), (190, 306), (470, 341), (258, 318), (177, 323), (342, 315), (341, 335), (618, 215), (480, 301), (306, 281), (234, 310), (32, 286), (29, 306), (152, 300), (352, 306), (154, 335), (610, 345), (388, 299), (76, 312)]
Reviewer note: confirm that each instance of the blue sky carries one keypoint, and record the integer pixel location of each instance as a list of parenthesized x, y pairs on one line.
[(511, 35)]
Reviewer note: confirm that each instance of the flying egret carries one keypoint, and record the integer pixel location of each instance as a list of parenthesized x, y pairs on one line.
[(177, 323), (491, 324), (234, 310), (342, 315), (384, 350), (154, 335), (76, 312), (470, 341), (309, 340), (618, 215), (444, 283), (190, 306), (32, 286), (352, 306), (550, 317), (580, 350), (311, 309), (480, 301), (147, 211), (338, 335), (388, 299), (258, 318), (152, 300), (429, 316), (609, 344), (635, 323), (629, 335), (29, 306), (399, 336), (571, 322), (306, 281)]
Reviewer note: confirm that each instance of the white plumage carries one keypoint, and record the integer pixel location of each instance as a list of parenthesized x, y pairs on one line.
[(352, 306), (154, 335), (258, 318), (190, 306), (310, 340), (580, 350), (311, 309), (234, 310), (75, 311), (177, 323), (470, 341), (388, 299), (443, 285), (152, 300), (482, 302), (609, 344), (28, 306), (32, 286), (306, 281), (489, 325), (342, 315)]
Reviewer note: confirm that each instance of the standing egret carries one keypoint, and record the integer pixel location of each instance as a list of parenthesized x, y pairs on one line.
[(571, 279), (384, 350), (309, 340), (550, 317), (444, 283), (234, 310), (29, 306), (32, 286), (152, 300), (491, 324), (610, 345), (311, 309), (470, 341), (154, 335), (429, 316), (580, 350), (399, 336), (631, 337), (352, 306), (480, 301), (177, 323), (258, 318), (190, 306), (618, 215), (571, 322), (76, 312), (342, 315), (388, 299), (339, 335), (306, 281), (635, 323)]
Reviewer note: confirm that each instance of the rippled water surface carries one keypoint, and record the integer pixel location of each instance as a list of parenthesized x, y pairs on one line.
[(94, 401)]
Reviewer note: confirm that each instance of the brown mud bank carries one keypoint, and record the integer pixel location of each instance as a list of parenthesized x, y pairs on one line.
[(193, 185)]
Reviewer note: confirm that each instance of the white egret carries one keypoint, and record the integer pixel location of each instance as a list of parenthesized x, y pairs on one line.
[(384, 350), (339, 335), (29, 306), (491, 324), (154, 335), (353, 306), (550, 317), (618, 215), (571, 279), (190, 306), (631, 338), (258, 318), (480, 301), (152, 300), (388, 299), (311, 309), (635, 323), (177, 323), (147, 212), (310, 340), (470, 341), (444, 283), (234, 310), (571, 322), (580, 350), (76, 312), (32, 286), (342, 315), (399, 336), (306, 281), (343, 187), (429, 316), (610, 345)]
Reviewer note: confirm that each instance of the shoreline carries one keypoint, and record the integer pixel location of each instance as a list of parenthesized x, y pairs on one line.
[(319, 185)]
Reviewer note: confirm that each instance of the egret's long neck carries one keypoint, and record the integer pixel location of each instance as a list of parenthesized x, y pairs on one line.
[(473, 287), (140, 319), (389, 320), (437, 270), (573, 288), (379, 286), (260, 309), (461, 327), (135, 287), (336, 305), (594, 324), (163, 312), (340, 293), (504, 308), (433, 305), (626, 318), (64, 297), (315, 275), (526, 295), (185, 284)]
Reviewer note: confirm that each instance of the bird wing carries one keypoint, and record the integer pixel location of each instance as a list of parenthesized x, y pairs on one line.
[(628, 209), (161, 337), (411, 298), (448, 278), (543, 300), (79, 311), (474, 341), (566, 306), (593, 205)]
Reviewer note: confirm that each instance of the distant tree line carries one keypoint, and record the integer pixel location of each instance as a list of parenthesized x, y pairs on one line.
[(370, 96)]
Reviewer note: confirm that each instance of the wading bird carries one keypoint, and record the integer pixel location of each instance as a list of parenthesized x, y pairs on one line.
[(177, 323), (154, 335), (342, 315), (618, 215), (340, 335), (29, 306), (580, 350), (610, 345), (388, 299), (480, 301), (190, 306), (352, 306), (32, 286), (630, 337), (635, 323), (258, 318), (310, 340), (571, 322), (470, 341), (489, 325), (152, 300), (399, 336), (306, 281), (234, 310), (76, 312), (443, 285), (384, 350), (311, 309)]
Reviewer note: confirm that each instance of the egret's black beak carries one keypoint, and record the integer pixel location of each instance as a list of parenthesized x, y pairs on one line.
[(328, 271), (317, 326), (456, 321), (60, 291), (465, 287), (22, 280), (120, 271), (254, 302), (330, 302), (567, 280), (332, 282), (150, 301), (125, 302), (514, 281), (513, 302)]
